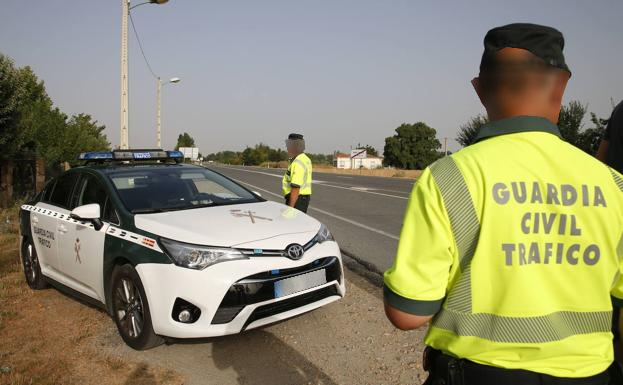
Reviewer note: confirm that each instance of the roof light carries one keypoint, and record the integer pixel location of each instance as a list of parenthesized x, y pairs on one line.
[(175, 154), (95, 155), (129, 155)]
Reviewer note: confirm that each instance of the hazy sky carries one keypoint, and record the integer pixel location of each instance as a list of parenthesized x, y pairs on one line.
[(340, 72)]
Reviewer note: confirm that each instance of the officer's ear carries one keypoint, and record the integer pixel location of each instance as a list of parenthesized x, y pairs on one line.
[(478, 87)]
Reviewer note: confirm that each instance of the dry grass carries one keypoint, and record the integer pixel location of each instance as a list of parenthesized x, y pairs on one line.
[(384, 172), (48, 338)]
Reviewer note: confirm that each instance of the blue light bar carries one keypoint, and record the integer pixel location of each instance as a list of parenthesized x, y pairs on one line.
[(95, 155), (175, 154), (131, 155)]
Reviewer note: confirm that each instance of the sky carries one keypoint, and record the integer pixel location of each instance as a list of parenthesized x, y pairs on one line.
[(341, 72)]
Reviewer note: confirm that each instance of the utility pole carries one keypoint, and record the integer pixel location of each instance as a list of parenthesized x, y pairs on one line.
[(445, 146), (123, 143)]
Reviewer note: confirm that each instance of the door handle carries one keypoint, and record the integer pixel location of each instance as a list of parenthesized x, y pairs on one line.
[(35, 219), (62, 229)]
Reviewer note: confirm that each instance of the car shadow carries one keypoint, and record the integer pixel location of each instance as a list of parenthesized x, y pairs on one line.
[(258, 357)]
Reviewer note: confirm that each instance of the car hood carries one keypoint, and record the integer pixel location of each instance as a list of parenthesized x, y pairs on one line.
[(233, 225)]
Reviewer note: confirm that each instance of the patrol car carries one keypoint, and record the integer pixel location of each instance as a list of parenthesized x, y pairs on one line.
[(172, 250)]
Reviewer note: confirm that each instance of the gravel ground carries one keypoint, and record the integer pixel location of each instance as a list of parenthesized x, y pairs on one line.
[(347, 342)]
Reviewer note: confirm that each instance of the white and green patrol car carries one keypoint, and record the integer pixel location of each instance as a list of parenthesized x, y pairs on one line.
[(172, 250)]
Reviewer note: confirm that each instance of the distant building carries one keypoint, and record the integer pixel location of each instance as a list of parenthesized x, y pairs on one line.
[(344, 161)]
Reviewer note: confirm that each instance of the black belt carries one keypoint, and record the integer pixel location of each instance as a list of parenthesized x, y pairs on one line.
[(447, 370)]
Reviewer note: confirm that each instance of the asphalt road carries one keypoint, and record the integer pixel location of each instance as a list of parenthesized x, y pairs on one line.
[(364, 213)]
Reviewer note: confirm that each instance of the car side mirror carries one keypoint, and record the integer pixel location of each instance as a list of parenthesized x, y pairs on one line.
[(89, 213), (257, 193)]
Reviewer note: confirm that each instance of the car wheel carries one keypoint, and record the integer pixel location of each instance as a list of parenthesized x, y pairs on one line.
[(131, 310), (32, 270)]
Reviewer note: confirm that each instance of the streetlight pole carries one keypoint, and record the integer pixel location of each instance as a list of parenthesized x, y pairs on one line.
[(158, 121), (123, 143), (159, 108), (124, 129)]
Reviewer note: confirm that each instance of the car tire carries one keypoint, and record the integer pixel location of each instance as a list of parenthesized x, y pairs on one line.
[(32, 269), (130, 309)]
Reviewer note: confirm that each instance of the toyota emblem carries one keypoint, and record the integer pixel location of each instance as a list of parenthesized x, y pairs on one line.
[(295, 251)]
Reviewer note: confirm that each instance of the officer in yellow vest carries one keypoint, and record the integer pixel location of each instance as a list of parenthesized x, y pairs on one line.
[(512, 248), (297, 180)]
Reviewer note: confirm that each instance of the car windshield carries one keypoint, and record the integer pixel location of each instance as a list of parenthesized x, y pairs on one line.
[(151, 190)]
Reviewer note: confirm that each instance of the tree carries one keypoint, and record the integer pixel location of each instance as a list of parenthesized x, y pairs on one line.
[(82, 134), (11, 98), (468, 131), (573, 131), (570, 121), (184, 140), (414, 146), (324, 159), (369, 149), (590, 138)]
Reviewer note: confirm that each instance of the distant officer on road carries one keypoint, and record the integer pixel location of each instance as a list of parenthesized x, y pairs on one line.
[(513, 247), (297, 181)]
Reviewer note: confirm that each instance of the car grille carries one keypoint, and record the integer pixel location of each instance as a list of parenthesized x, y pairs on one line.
[(226, 314), (261, 287), (290, 304)]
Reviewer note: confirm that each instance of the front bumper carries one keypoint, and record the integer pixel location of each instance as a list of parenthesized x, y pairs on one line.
[(238, 295)]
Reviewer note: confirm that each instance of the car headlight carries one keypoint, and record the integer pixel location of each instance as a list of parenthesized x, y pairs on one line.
[(199, 257), (324, 234)]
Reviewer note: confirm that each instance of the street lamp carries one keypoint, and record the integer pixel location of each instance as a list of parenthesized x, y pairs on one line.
[(158, 109), (125, 4)]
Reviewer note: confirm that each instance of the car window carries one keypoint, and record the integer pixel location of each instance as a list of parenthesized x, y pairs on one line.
[(176, 188), (63, 189), (90, 191), (47, 192), (109, 212)]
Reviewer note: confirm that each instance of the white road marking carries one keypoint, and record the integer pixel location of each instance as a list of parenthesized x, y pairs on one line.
[(359, 189), (354, 223), (324, 183)]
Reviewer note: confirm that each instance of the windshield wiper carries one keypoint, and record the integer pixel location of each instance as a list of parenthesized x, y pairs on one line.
[(146, 210), (187, 207)]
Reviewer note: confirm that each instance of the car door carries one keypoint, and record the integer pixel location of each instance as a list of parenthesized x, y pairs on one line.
[(46, 223), (81, 248)]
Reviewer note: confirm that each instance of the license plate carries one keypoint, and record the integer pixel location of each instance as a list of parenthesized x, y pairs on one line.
[(300, 282)]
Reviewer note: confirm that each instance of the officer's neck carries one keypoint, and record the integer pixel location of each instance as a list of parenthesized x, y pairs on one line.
[(504, 107), (527, 109)]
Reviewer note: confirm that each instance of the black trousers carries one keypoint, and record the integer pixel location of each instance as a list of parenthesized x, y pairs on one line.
[(446, 370), (302, 202)]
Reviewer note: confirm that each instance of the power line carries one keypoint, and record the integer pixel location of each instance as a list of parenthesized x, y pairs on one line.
[(140, 45)]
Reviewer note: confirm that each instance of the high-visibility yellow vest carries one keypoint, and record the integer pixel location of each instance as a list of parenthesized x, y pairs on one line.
[(515, 243), (298, 174)]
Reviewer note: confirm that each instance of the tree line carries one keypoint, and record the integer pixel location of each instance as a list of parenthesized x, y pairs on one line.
[(570, 123), (31, 126), (415, 146), (262, 154)]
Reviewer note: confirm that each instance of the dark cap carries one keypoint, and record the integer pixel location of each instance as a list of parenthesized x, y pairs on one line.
[(295, 137), (544, 42)]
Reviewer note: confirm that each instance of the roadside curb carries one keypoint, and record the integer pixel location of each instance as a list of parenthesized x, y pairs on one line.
[(362, 268)]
